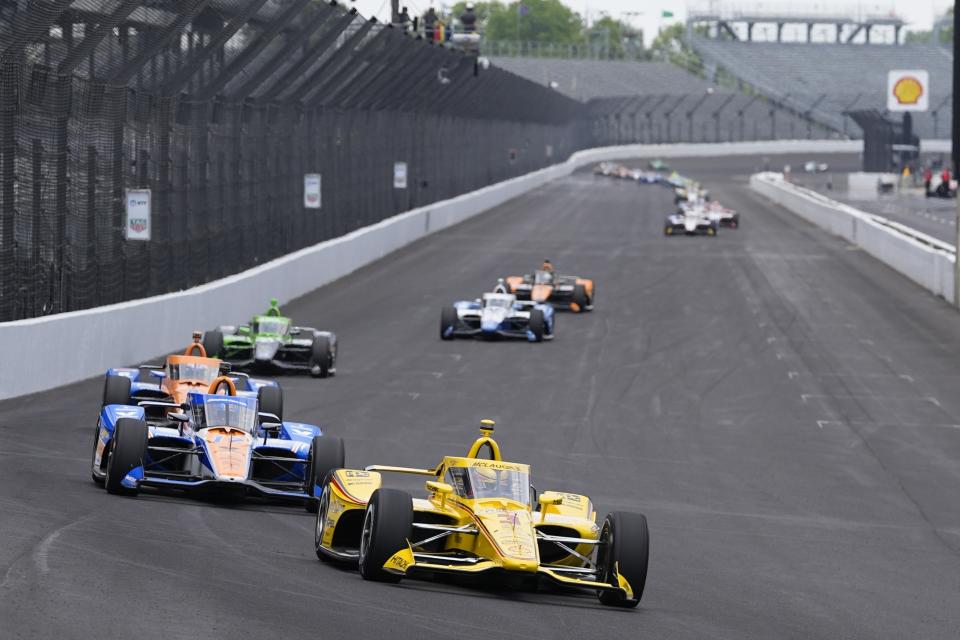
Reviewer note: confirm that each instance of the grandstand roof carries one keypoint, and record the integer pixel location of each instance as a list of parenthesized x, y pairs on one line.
[(587, 79)]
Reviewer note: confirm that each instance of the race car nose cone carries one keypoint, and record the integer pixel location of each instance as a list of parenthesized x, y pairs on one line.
[(265, 349)]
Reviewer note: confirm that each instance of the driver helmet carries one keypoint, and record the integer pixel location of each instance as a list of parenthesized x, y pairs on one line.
[(486, 480), (274, 309), (547, 265), (469, 6), (501, 286)]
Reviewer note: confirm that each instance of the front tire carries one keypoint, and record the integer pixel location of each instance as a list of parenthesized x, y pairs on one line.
[(625, 549), (116, 390), (326, 454), (448, 322), (387, 526), (537, 324), (128, 448), (321, 358)]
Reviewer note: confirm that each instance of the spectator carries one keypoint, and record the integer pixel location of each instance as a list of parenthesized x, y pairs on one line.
[(468, 19), (927, 179), (429, 24), (405, 19)]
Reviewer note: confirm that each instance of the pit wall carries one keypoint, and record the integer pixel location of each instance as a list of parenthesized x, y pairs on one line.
[(50, 351), (925, 260)]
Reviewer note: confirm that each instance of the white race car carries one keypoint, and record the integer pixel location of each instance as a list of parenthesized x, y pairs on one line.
[(691, 221), (495, 315), (723, 216)]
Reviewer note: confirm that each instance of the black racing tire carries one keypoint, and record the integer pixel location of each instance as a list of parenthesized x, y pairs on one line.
[(327, 454), (321, 357), (116, 390), (448, 318), (712, 231), (538, 324), (387, 526), (580, 297), (128, 448), (625, 543), (320, 522), (668, 231), (213, 343), (735, 222), (270, 400)]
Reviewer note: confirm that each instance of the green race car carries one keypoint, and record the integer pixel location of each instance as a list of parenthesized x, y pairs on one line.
[(271, 342), (659, 165)]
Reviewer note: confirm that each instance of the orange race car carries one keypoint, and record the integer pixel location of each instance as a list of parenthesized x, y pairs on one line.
[(160, 389), (545, 285)]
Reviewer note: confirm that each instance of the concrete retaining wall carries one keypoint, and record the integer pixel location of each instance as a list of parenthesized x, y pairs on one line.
[(925, 260), (54, 350)]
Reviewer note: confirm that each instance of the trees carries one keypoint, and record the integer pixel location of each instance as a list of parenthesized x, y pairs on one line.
[(670, 45), (534, 21)]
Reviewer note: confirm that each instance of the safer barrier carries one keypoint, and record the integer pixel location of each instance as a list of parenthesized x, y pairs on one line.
[(50, 351), (924, 259)]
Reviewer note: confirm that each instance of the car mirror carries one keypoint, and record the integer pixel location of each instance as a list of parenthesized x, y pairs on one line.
[(294, 331), (268, 417), (178, 417), (271, 426), (548, 498), (439, 487)]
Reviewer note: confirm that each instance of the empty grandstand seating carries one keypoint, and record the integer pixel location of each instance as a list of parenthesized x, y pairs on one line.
[(658, 102), (586, 79), (830, 79)]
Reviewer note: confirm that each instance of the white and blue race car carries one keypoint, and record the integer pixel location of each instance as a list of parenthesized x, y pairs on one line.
[(218, 444), (495, 315)]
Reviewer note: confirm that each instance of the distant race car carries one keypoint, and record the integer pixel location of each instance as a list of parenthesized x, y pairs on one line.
[(157, 388), (497, 314), (658, 165), (219, 443), (271, 342), (480, 514), (723, 216), (545, 285), (691, 221)]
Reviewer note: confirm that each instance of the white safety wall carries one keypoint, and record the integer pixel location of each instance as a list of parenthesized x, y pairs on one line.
[(55, 350), (922, 258)]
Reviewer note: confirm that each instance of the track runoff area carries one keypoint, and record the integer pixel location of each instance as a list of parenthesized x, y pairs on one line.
[(782, 407)]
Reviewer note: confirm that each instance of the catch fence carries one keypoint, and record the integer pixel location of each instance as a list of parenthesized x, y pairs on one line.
[(223, 110)]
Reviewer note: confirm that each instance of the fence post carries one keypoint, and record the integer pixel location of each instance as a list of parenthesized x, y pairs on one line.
[(9, 99)]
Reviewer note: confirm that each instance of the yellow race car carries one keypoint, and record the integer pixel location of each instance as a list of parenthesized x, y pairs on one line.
[(481, 515)]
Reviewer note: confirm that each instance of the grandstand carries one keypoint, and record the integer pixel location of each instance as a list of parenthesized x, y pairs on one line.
[(588, 79), (846, 71), (658, 102)]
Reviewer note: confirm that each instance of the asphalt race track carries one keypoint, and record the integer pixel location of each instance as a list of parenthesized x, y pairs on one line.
[(782, 407)]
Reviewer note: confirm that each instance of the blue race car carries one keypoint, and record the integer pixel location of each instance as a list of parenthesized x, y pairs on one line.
[(497, 314), (219, 444)]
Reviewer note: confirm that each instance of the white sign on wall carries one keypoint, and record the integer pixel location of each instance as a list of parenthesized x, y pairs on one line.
[(399, 175), (138, 214), (311, 191), (908, 90)]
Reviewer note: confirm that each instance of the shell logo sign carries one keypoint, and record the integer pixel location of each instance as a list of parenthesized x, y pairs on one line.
[(908, 90)]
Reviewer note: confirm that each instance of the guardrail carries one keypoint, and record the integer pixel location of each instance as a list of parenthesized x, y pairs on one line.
[(922, 258), (130, 332)]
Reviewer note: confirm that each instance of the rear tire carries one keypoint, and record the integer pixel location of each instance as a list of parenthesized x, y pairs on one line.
[(627, 546), (580, 297), (387, 526), (321, 358), (128, 448), (326, 454), (537, 324), (448, 319), (270, 400), (213, 343), (116, 390)]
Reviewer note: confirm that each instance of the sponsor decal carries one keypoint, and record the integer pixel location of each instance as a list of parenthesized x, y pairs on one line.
[(908, 90)]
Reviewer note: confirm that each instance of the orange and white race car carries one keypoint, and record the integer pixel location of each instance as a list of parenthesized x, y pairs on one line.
[(545, 285)]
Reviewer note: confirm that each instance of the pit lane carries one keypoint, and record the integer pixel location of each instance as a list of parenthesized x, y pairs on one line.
[(782, 407)]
